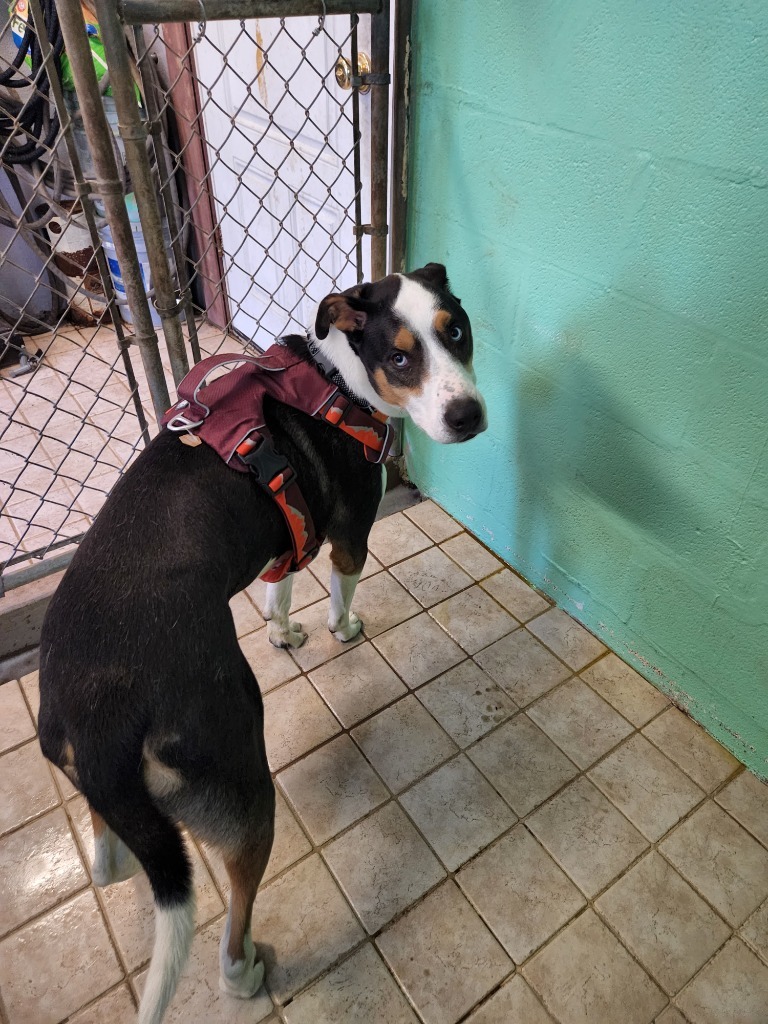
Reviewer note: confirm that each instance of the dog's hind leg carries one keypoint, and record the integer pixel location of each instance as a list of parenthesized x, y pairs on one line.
[(240, 973), (282, 632), (346, 569), (112, 860)]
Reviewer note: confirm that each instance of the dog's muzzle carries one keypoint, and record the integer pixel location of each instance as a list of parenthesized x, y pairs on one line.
[(464, 417)]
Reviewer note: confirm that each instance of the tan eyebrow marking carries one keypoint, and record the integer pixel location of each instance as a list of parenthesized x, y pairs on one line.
[(441, 321), (404, 340)]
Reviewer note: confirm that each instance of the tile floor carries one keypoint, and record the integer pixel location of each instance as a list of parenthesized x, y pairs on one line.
[(483, 816)]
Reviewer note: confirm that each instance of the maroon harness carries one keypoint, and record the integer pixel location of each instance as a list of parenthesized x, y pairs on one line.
[(228, 414)]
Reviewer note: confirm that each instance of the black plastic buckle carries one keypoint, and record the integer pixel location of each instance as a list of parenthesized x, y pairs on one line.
[(266, 463)]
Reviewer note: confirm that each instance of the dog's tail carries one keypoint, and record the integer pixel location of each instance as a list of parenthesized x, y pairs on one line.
[(159, 847)]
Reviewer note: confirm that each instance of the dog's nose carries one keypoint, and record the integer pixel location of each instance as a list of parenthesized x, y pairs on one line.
[(464, 415)]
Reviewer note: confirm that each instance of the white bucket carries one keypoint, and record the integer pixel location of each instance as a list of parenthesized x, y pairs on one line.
[(141, 251)]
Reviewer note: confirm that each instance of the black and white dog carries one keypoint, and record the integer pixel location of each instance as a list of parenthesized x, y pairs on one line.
[(147, 702)]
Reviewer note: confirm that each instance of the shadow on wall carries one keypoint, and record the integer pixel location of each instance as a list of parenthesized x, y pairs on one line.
[(596, 491)]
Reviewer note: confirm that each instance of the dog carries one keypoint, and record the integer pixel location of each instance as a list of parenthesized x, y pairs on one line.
[(147, 703)]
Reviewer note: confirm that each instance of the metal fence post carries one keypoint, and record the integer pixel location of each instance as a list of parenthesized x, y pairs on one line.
[(379, 139), (134, 135), (110, 189), (86, 204)]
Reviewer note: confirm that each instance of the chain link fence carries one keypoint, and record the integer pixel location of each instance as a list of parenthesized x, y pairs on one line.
[(235, 194)]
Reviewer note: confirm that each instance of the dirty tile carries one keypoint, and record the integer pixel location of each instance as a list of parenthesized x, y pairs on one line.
[(245, 615), (584, 976), (383, 865), (671, 1016), (295, 721), (15, 722), (431, 577), (332, 788), (403, 742), (304, 924), (435, 944), (522, 763), (431, 519), (26, 786), (686, 743), (30, 685), (587, 836), (732, 989), (717, 856), (198, 997), (466, 702), (382, 603), (395, 538), (360, 991), (473, 619), (514, 1003), (357, 684), (306, 590), (660, 919), (515, 595), (522, 666), (520, 892), (289, 845), (321, 645), (457, 811), (321, 567), (270, 665), (569, 641), (580, 722), (129, 906), (746, 800), (646, 787), (73, 944), (39, 867), (625, 689), (754, 931), (116, 1007), (418, 650), (471, 556)]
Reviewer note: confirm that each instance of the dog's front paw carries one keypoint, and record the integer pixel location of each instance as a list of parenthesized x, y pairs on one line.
[(293, 636), (348, 632)]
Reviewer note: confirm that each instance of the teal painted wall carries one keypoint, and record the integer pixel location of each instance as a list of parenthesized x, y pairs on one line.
[(594, 173)]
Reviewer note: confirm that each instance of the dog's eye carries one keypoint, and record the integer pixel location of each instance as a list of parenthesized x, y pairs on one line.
[(456, 333), (400, 359)]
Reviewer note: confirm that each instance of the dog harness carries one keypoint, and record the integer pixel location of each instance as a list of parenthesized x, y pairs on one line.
[(227, 413)]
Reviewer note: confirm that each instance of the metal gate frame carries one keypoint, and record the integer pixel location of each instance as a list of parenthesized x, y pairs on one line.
[(172, 296)]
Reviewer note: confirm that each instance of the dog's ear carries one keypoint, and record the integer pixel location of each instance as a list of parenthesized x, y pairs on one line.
[(434, 274), (339, 311)]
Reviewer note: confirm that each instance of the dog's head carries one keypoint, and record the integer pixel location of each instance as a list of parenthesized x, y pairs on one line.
[(404, 344)]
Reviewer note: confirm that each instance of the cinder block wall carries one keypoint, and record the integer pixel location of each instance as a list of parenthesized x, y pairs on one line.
[(595, 176)]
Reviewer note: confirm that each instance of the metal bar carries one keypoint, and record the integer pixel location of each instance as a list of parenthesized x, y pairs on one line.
[(153, 12), (111, 190), (185, 100), (153, 105), (86, 204), (379, 142), (356, 136), (45, 567), (134, 135), (401, 113)]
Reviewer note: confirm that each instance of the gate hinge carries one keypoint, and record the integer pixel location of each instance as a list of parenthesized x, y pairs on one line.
[(372, 78), (369, 229)]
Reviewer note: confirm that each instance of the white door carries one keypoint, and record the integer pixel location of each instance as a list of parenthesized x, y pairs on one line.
[(280, 148)]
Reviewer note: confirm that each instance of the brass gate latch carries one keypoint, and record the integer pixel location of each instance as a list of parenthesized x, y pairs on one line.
[(343, 72)]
